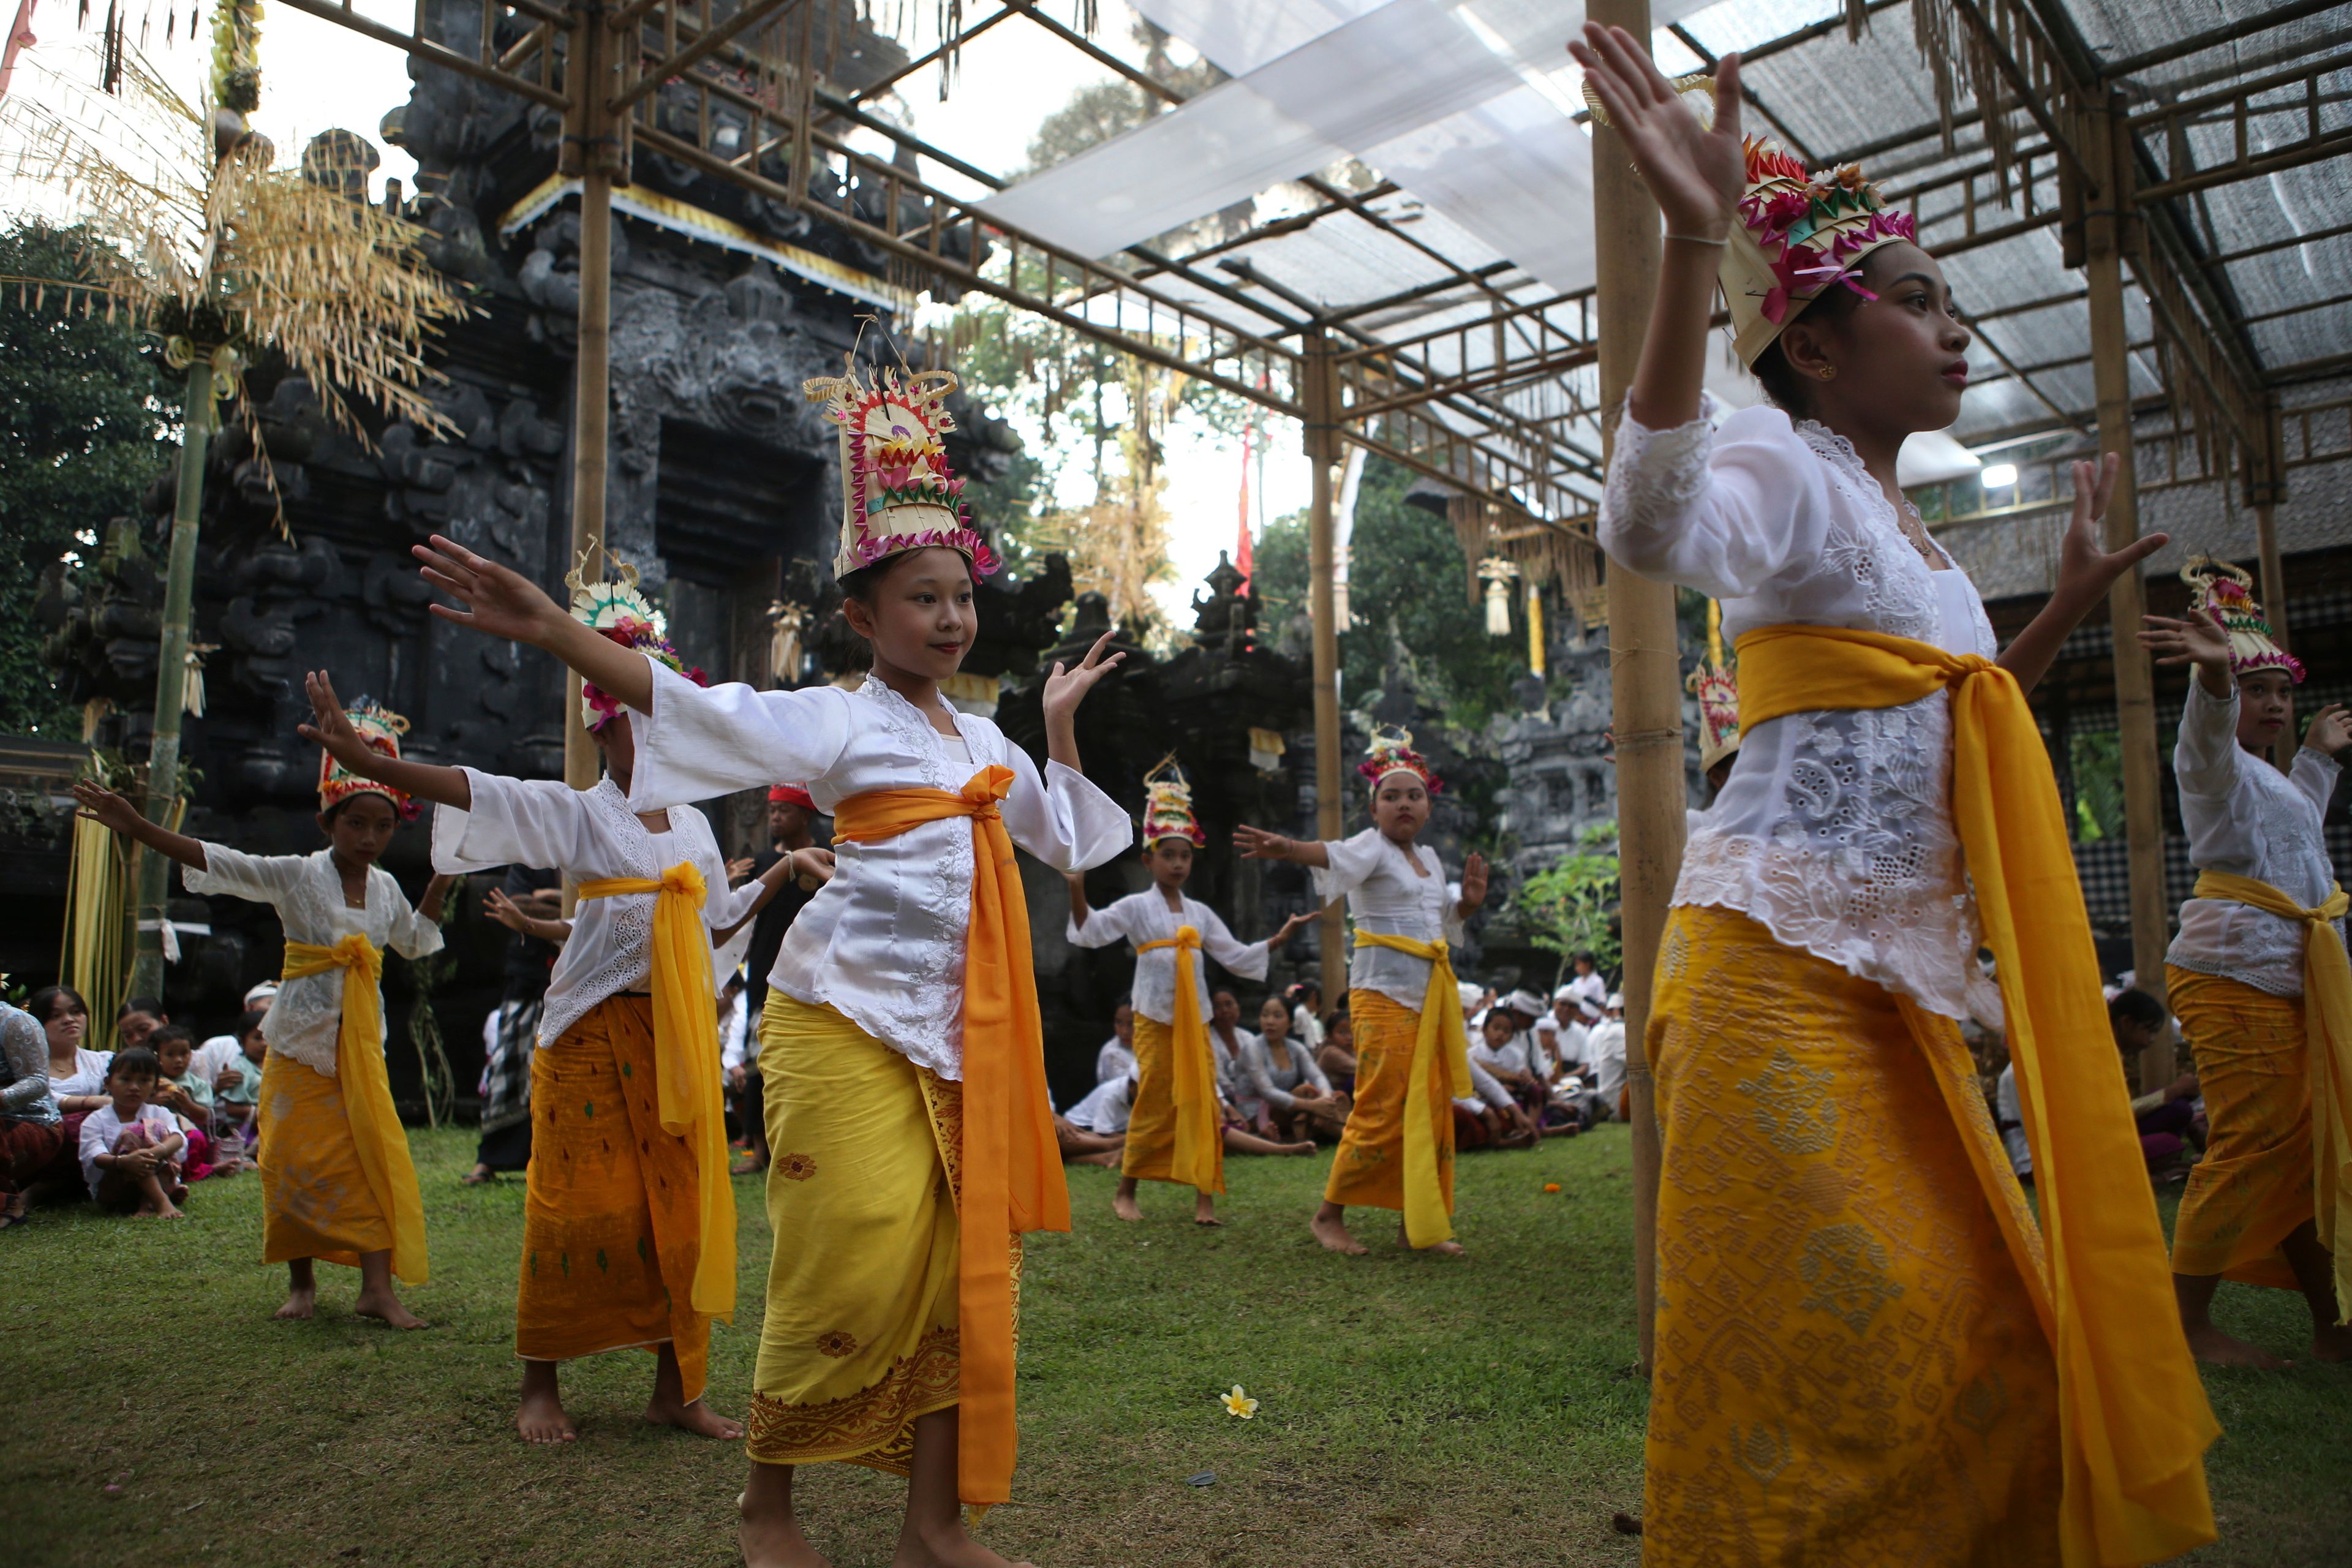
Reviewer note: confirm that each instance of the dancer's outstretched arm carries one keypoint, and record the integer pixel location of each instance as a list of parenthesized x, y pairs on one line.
[(332, 730), (1258, 844), (504, 603), (110, 810)]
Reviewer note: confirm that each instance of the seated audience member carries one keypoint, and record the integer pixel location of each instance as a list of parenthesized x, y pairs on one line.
[(1305, 1000), (1562, 1030), (189, 1100), (1588, 987), (238, 1087), (1095, 1130), (1116, 1058), (1488, 1118), (2166, 1116), (219, 1050), (77, 1077), (30, 1130), (1229, 1042), (1338, 1057), (1498, 1046), (130, 1148), (1604, 1048), (1282, 1073), (140, 1016)]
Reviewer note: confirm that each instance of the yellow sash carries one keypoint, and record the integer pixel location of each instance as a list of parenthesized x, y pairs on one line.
[(1197, 1159), (376, 1134), (686, 1063), (1011, 1165), (2133, 1418), (1427, 1220), (2327, 1024)]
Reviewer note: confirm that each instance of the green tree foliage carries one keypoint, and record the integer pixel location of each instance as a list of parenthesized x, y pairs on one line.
[(86, 422), (2098, 770), (1407, 586), (1566, 907)]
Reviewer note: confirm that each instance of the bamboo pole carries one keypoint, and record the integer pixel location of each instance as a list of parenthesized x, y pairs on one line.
[(2105, 240), (1644, 666), (171, 683), (2268, 475), (1321, 393)]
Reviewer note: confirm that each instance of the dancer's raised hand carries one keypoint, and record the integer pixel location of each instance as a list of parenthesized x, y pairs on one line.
[(1474, 884), (2330, 731), (2085, 570), (1694, 172), (1067, 687), (103, 806), (331, 728), (498, 599), (2199, 640)]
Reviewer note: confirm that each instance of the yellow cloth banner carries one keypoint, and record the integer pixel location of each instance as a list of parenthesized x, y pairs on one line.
[(686, 1063), (1012, 1167), (2133, 1416), (1198, 1160), (2327, 1024), (376, 1134), (1428, 1218)]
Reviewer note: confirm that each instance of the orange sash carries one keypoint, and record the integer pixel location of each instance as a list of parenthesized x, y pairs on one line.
[(1011, 1165), (1199, 1157)]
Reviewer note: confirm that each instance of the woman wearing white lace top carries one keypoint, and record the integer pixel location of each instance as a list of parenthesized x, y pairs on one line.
[(336, 1180), (912, 1138), (1413, 1057), (2235, 972), (1829, 1167)]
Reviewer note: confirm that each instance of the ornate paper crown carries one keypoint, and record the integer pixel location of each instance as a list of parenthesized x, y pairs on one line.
[(625, 615), (1717, 690), (1798, 234), (1392, 752), (1167, 806), (897, 491), (2225, 592), (382, 729)]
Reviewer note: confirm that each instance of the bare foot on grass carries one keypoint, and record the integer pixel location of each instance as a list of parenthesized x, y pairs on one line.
[(1443, 1249), (2210, 1344), (541, 1417), (386, 1306), (948, 1547), (775, 1539), (1124, 1205), (1305, 1146), (696, 1418), (302, 1301), (2332, 1343), (1333, 1234)]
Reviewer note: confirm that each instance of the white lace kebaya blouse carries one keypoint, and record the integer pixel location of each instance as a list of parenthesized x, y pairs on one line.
[(1385, 895), (882, 942), (2247, 818), (307, 1018), (1146, 917), (1834, 831), (549, 826)]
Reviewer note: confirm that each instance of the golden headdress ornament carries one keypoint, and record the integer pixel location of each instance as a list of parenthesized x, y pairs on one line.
[(626, 617), (1167, 806), (382, 729), (898, 492), (1392, 752), (2226, 592)]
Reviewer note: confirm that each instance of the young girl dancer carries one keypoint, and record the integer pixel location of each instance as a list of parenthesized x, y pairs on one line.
[(2254, 974), (336, 1181), (911, 1135), (1174, 1131), (628, 1219), (1396, 1152), (1863, 1353)]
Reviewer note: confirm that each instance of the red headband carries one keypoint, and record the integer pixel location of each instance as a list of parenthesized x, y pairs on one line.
[(791, 794)]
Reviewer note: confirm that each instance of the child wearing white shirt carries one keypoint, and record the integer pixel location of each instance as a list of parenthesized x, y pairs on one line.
[(128, 1147)]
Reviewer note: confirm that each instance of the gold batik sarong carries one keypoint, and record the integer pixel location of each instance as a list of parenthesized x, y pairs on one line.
[(315, 1197), (1849, 1367), (1369, 1169), (860, 1336), (611, 1233), (1152, 1129), (2254, 1185)]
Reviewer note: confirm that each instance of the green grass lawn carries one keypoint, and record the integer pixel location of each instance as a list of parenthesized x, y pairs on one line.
[(1415, 1410)]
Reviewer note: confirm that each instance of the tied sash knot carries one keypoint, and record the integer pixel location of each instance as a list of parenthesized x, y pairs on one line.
[(2134, 1422), (686, 1065), (376, 1135), (1443, 1046), (1198, 1159), (1012, 1180)]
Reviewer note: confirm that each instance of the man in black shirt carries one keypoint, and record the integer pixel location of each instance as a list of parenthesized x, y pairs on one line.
[(533, 896), (791, 816)]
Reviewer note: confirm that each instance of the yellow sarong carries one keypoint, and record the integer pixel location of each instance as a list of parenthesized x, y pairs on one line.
[(315, 1197), (1368, 1168), (2133, 1415), (1439, 1071), (2253, 1186), (860, 1335), (686, 1066), (2326, 1016), (1852, 1368), (611, 1232), (1175, 1133), (1009, 1167), (371, 1126)]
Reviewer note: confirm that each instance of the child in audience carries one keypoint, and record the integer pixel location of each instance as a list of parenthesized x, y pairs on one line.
[(180, 1090), (130, 1148), (238, 1087)]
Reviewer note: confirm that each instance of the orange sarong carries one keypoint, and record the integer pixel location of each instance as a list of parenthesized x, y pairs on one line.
[(1174, 1133), (2253, 1186), (1369, 1168), (1011, 1167), (611, 1238), (2134, 1421)]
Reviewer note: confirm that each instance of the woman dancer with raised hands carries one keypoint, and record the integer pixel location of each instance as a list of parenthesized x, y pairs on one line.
[(628, 1216), (2258, 977), (912, 1134), (1867, 1349), (337, 1182), (1413, 1057), (1174, 1131)]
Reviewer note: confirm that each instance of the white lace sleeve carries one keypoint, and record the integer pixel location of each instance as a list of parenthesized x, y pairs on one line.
[(1244, 961), (1348, 861), (1104, 926), (2314, 773), (2205, 760), (1061, 817), (413, 936), (701, 742), (264, 879), (1721, 512)]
